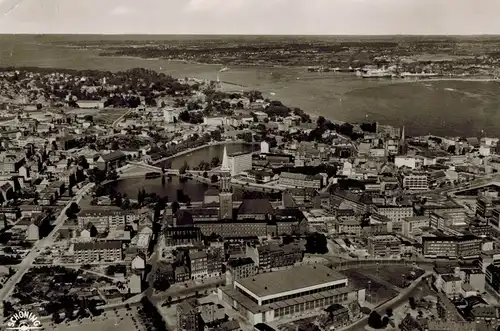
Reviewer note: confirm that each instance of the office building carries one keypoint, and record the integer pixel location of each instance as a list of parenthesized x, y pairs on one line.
[(412, 226), (467, 246), (416, 182), (384, 246), (240, 162)]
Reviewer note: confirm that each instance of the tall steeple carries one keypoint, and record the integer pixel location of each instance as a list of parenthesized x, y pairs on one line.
[(225, 162)]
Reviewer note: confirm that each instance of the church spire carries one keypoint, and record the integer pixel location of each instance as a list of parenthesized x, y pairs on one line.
[(225, 162)]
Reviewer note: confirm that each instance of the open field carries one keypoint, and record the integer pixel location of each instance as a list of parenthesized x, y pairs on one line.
[(109, 115), (395, 275), (119, 321), (376, 292)]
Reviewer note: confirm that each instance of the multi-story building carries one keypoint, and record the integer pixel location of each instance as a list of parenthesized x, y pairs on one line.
[(104, 219), (300, 180), (10, 163), (269, 296), (486, 209), (467, 246), (342, 200), (274, 256), (98, 251), (493, 277), (188, 316), (384, 246), (395, 213), (198, 265), (240, 268), (494, 220), (240, 162), (412, 225), (416, 182)]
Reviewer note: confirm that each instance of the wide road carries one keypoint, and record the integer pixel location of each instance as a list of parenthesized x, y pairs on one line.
[(27, 262)]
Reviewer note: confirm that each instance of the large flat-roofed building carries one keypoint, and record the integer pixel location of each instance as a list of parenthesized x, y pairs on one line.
[(268, 296)]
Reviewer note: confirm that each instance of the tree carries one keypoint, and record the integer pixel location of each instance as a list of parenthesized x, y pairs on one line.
[(161, 284), (375, 320), (214, 179), (321, 121), (205, 174), (184, 168), (316, 243), (72, 210), (413, 304)]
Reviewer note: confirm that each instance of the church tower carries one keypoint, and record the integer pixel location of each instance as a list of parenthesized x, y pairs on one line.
[(225, 194)]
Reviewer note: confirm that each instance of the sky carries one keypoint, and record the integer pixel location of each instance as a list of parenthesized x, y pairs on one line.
[(324, 17)]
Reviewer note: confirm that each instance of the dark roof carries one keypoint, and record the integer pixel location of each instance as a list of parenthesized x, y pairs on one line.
[(255, 206), (234, 263), (184, 217), (113, 156)]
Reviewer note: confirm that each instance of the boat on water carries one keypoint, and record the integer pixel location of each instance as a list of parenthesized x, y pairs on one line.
[(377, 73), (224, 69), (272, 93)]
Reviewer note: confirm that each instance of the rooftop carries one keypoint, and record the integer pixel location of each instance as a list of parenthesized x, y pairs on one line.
[(289, 280)]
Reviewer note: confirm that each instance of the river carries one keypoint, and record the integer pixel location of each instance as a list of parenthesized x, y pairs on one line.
[(193, 188), (206, 154), (465, 108)]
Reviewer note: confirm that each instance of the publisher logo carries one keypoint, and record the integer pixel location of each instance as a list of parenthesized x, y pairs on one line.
[(24, 321)]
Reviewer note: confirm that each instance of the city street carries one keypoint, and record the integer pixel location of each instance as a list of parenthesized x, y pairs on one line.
[(26, 264)]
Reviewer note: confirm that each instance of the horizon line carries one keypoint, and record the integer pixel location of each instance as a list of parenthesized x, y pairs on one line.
[(249, 34)]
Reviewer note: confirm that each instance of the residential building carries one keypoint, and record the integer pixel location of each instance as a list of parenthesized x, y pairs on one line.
[(272, 256), (105, 218), (188, 316), (108, 251), (198, 265), (240, 268)]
